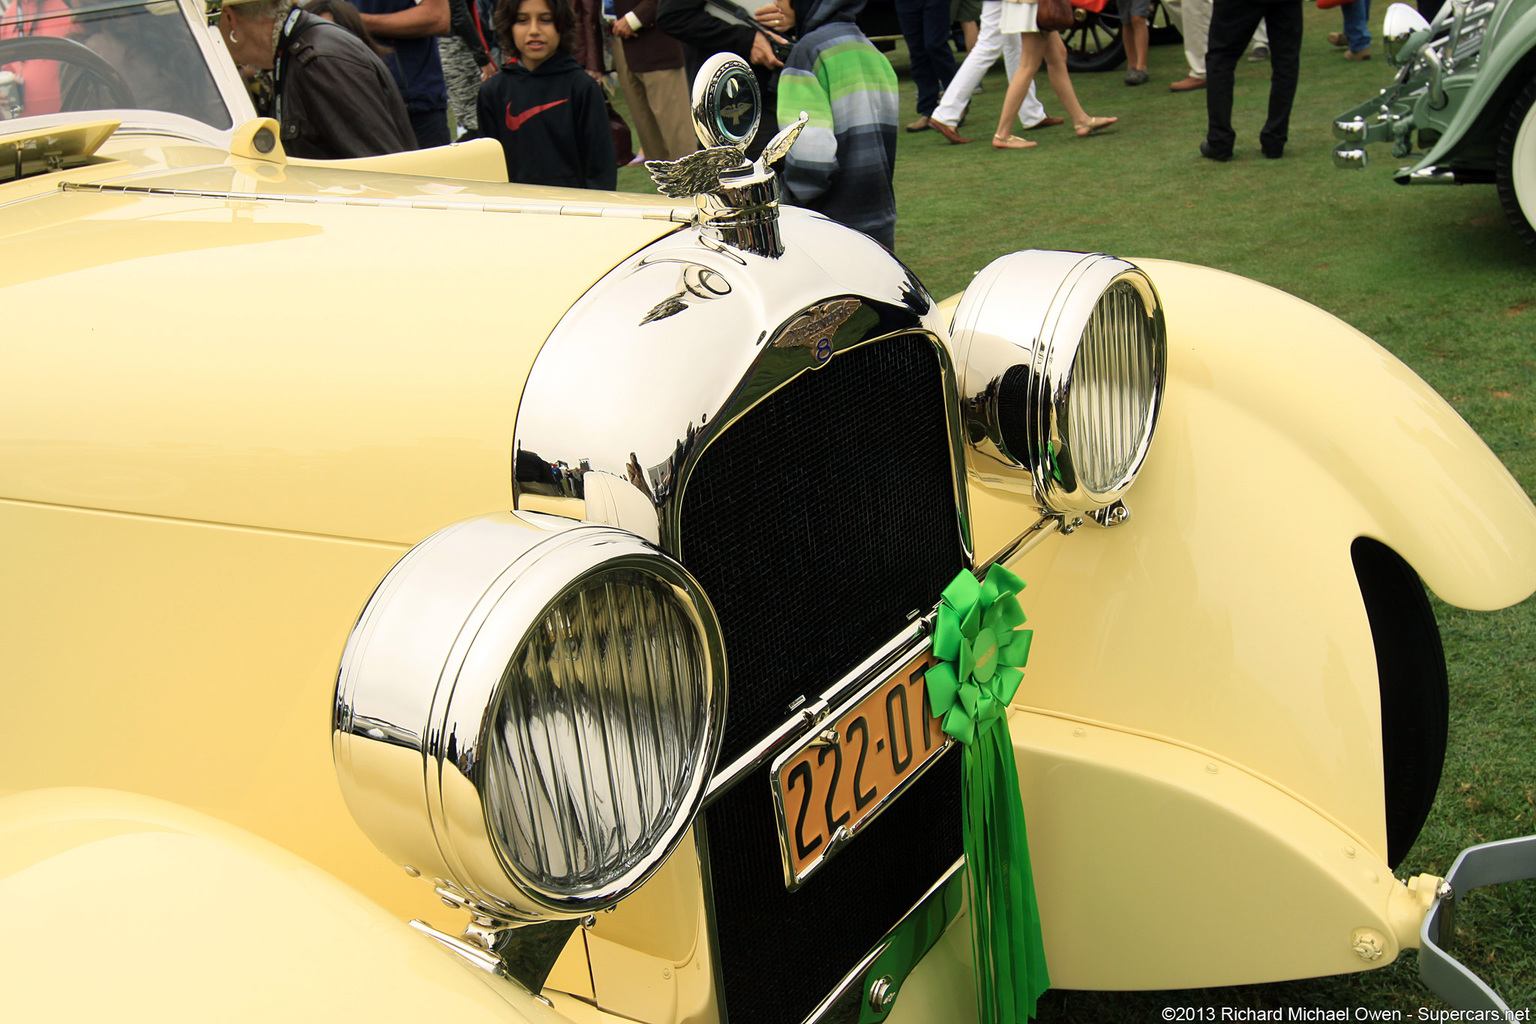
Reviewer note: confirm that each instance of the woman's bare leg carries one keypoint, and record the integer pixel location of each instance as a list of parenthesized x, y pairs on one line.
[(1032, 50), (1061, 81)]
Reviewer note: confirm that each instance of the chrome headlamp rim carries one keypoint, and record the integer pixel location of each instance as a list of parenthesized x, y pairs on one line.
[(478, 620), (1398, 27), (1027, 314), (701, 616)]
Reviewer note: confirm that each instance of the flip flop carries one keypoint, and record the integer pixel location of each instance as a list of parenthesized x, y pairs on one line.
[(1011, 142), (1092, 125)]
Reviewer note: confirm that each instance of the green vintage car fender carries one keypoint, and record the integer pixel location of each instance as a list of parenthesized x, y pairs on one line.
[(1508, 62)]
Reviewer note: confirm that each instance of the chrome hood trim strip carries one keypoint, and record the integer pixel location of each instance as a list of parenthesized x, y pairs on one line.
[(676, 215)]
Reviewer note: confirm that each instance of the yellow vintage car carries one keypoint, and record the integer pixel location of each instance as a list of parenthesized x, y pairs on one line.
[(363, 660)]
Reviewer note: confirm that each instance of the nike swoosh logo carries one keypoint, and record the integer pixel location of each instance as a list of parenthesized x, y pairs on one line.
[(516, 121)]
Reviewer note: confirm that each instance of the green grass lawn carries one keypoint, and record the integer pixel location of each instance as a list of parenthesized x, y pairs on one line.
[(1432, 273)]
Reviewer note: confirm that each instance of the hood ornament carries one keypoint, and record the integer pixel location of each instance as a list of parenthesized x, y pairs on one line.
[(737, 200)]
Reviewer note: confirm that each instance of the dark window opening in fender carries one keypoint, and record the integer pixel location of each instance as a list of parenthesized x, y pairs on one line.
[(1415, 698)]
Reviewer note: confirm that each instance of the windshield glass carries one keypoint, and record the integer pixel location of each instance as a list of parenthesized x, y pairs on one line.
[(68, 55)]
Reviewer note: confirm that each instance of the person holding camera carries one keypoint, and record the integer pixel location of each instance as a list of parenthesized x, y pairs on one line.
[(708, 27)]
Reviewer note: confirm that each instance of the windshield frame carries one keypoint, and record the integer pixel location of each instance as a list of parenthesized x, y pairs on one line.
[(216, 59)]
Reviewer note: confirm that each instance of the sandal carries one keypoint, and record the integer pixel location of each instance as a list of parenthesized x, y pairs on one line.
[(1092, 125), (1011, 142)]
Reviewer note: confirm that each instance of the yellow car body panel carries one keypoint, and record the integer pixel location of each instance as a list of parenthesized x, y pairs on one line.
[(212, 401), (201, 485), (124, 908), (1199, 727), (1232, 583), (198, 498)]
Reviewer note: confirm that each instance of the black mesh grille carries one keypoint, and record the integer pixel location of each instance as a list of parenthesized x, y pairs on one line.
[(782, 951), (818, 522), (816, 525)]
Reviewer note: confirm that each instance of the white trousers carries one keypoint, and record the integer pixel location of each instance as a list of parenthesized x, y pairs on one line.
[(1193, 20), (990, 44)]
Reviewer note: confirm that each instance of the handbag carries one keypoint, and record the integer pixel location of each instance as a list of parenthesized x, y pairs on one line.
[(623, 142), (1054, 15), (1323, 5), (1096, 6)]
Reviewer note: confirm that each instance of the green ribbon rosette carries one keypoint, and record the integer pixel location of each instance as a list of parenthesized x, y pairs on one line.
[(983, 649)]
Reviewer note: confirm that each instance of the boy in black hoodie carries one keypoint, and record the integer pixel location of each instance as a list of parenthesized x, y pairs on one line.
[(544, 109)]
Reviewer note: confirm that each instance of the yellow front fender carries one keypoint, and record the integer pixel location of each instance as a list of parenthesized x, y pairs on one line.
[(1200, 725), (121, 907)]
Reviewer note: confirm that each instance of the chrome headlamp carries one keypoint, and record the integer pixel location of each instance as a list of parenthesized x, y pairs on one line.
[(1399, 26), (528, 711), (1063, 361)]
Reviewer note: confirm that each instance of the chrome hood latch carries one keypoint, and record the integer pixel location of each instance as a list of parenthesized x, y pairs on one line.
[(737, 199)]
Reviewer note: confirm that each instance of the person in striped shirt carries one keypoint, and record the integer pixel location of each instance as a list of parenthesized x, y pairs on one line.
[(843, 163)]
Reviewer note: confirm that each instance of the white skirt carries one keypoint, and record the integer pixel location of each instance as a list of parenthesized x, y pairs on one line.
[(1017, 17)]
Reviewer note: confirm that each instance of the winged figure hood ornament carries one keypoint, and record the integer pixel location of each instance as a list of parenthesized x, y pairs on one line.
[(736, 198)]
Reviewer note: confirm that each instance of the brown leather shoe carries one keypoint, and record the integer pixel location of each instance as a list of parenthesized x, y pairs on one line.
[(1045, 122), (1338, 39), (1187, 84), (922, 124), (946, 131), (1364, 54)]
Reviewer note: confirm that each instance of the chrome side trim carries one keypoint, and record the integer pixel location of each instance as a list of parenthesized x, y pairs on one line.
[(673, 214), (1509, 860), (1425, 176), (927, 920)]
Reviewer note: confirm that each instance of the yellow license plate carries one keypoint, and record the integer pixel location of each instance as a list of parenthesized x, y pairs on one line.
[(834, 782)]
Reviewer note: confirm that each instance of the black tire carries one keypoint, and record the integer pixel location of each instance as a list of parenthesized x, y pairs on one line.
[(67, 51), (1093, 41), (1516, 160), (1415, 699)]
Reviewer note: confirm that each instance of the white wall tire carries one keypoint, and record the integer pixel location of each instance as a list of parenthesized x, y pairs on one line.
[(1516, 168)]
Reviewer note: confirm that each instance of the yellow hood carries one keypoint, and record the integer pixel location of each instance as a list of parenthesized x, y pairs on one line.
[(324, 349)]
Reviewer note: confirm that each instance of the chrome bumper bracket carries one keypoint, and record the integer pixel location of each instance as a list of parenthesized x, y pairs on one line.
[(1509, 860)]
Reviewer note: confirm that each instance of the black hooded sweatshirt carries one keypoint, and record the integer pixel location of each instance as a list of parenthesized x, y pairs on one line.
[(552, 123)]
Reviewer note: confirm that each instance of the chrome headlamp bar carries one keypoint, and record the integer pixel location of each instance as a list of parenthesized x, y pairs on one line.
[(1063, 362), (528, 712)]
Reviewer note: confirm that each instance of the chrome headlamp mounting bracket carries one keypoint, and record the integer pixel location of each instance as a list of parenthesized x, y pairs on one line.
[(737, 200)]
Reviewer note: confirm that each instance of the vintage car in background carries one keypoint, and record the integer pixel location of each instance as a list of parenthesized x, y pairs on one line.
[(553, 571), (1463, 103)]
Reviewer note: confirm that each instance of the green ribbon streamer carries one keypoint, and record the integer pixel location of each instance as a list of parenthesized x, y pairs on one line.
[(983, 650)]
